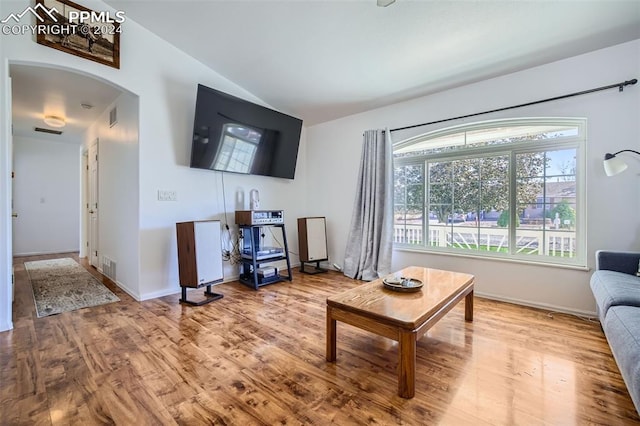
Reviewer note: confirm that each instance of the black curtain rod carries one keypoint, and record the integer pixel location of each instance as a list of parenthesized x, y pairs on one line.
[(620, 87)]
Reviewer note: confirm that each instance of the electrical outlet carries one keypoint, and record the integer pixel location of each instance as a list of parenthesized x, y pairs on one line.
[(165, 195)]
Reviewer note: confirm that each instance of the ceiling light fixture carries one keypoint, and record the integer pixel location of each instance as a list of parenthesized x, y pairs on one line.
[(54, 121), (614, 165), (385, 3)]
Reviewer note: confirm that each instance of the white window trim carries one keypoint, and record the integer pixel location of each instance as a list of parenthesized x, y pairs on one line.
[(578, 141)]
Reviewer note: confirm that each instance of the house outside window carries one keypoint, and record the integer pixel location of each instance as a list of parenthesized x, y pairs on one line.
[(510, 189)]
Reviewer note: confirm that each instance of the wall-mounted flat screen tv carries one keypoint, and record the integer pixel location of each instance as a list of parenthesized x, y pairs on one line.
[(234, 135)]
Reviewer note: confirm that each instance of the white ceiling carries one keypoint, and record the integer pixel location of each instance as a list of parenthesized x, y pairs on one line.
[(321, 60), (39, 91)]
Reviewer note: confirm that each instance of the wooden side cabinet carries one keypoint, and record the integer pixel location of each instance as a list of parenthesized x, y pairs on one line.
[(199, 257)]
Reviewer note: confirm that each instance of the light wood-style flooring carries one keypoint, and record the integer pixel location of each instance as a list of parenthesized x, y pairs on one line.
[(258, 358)]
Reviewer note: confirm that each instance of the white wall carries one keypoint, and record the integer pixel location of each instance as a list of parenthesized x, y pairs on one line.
[(46, 196), (165, 81), (612, 203), (118, 189)]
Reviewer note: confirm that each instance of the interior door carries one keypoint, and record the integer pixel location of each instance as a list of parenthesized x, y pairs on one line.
[(93, 203)]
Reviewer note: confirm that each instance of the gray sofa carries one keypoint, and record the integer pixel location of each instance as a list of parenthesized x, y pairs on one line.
[(616, 289)]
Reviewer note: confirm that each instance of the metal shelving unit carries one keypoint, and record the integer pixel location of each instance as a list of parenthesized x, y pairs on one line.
[(255, 257)]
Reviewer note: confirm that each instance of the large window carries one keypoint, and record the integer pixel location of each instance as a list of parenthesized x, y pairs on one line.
[(508, 188)]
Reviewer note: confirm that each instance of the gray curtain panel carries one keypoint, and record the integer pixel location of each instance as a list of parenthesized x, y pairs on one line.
[(368, 253)]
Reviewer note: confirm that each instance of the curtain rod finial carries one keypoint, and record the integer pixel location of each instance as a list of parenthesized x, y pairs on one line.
[(627, 83)]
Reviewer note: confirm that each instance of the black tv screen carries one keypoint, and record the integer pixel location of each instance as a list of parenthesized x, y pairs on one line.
[(234, 135)]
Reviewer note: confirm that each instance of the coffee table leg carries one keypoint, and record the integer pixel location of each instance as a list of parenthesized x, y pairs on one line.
[(331, 336), (407, 365), (468, 306)]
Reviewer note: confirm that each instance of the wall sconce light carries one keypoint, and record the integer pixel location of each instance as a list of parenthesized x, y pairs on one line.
[(54, 121), (614, 165)]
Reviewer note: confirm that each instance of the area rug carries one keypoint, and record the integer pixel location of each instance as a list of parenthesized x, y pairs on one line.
[(61, 285)]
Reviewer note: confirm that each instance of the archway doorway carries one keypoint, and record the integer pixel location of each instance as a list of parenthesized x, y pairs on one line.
[(52, 196)]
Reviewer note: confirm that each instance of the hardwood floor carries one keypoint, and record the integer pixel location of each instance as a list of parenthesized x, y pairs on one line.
[(258, 357)]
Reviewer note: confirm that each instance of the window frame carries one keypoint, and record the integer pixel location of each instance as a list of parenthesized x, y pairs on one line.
[(577, 142)]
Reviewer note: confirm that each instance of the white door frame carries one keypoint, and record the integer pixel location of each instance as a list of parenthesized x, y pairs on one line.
[(84, 202), (93, 235), (6, 165)]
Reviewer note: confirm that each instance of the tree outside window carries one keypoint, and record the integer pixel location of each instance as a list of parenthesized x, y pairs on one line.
[(506, 191)]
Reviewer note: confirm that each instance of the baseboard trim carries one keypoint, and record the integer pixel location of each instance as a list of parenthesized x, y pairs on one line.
[(126, 290), (172, 291), (45, 253), (544, 306), (159, 293)]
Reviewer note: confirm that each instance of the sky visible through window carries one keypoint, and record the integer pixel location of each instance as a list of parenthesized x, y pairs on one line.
[(556, 160)]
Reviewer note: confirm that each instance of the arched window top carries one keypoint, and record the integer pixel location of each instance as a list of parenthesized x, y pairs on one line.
[(485, 134)]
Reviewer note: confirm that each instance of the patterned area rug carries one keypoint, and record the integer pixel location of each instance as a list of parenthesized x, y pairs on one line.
[(61, 285)]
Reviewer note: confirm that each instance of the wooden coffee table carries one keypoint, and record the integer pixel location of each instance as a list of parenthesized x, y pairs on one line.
[(403, 317)]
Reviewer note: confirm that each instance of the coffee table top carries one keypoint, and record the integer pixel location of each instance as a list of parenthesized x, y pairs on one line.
[(407, 310)]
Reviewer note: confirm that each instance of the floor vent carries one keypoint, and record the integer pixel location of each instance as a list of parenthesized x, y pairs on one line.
[(109, 268)]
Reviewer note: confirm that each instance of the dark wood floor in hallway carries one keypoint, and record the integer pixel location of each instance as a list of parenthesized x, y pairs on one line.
[(258, 358)]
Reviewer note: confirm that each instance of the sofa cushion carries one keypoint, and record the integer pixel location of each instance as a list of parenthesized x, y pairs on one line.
[(612, 288), (622, 328), (621, 261)]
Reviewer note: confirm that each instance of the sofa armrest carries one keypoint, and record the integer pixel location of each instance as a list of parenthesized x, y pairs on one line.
[(619, 261)]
